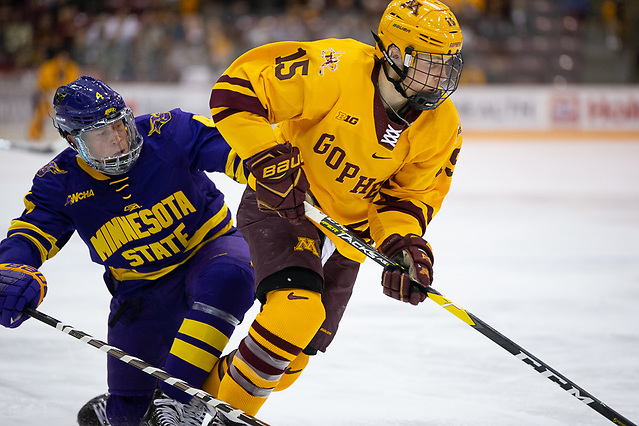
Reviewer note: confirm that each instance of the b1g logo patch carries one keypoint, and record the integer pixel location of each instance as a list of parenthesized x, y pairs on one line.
[(342, 116)]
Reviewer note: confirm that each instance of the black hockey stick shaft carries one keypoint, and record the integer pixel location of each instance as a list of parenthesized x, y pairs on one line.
[(517, 351), (232, 413)]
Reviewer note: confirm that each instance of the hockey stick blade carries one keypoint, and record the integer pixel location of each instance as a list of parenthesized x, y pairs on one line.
[(517, 351), (232, 413)]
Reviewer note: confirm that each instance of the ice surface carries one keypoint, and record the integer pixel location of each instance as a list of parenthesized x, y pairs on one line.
[(538, 239)]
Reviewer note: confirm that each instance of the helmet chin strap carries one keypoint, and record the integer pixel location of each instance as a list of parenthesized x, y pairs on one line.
[(399, 71), (420, 101), (396, 83)]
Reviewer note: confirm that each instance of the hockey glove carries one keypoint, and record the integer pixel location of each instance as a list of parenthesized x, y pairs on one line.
[(281, 183), (20, 286), (416, 256)]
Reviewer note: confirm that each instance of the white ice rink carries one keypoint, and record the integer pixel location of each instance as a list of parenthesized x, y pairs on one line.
[(538, 239)]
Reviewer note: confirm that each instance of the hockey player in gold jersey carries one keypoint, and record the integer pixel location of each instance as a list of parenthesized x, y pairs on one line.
[(370, 135)]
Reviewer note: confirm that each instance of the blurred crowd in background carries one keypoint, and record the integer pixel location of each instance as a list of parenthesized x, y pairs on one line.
[(505, 41)]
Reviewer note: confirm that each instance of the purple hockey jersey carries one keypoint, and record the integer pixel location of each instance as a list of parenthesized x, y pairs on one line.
[(140, 225)]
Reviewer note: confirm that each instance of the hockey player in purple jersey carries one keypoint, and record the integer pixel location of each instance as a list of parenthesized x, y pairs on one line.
[(136, 192)]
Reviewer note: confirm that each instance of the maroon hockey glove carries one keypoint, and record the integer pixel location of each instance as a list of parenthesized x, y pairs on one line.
[(20, 286), (281, 183), (416, 256)]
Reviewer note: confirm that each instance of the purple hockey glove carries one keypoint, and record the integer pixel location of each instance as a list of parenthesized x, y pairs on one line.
[(415, 254), (281, 183), (20, 286)]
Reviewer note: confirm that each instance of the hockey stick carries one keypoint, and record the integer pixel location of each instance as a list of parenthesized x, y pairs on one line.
[(230, 412), (517, 351)]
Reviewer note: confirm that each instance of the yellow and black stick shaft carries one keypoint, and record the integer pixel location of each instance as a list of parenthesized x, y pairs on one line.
[(326, 222)]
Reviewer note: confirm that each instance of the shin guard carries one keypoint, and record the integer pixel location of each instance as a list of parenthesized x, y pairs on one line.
[(287, 323), (292, 372), (221, 367), (196, 349)]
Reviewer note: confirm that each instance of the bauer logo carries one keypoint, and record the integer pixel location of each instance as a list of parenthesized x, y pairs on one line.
[(78, 196), (399, 27), (277, 171)]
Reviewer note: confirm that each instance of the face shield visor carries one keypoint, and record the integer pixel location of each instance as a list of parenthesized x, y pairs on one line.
[(429, 78), (111, 145)]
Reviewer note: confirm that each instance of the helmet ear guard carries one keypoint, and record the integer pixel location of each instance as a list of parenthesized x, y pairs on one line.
[(401, 72), (62, 133)]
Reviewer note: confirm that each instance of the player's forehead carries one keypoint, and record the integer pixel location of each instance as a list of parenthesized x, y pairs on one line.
[(104, 128), (434, 58)]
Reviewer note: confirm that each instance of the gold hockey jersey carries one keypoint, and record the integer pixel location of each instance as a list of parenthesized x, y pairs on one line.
[(366, 171)]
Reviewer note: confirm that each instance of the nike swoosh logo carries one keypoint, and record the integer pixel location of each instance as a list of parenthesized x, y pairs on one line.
[(289, 371), (380, 158), (292, 296)]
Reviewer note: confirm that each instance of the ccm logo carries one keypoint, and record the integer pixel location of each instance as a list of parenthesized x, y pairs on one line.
[(278, 170)]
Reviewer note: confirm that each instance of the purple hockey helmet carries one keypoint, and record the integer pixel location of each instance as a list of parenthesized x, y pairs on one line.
[(100, 123)]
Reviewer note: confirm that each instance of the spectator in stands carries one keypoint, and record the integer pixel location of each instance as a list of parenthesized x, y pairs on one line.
[(59, 70)]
